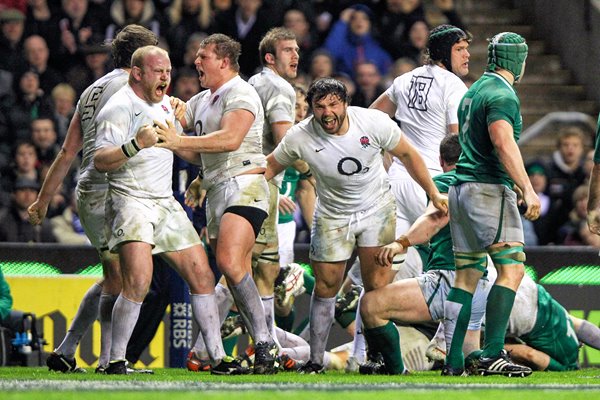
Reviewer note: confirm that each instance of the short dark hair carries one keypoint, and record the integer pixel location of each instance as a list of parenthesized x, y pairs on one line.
[(450, 149), (225, 47), (127, 41), (324, 87), (268, 43)]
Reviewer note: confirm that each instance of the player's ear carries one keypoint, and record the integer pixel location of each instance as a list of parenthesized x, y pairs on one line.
[(269, 58)]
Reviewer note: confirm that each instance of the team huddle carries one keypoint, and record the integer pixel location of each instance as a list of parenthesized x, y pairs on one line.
[(372, 173)]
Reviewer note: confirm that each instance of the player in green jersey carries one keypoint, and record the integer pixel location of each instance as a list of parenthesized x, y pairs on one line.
[(484, 216)]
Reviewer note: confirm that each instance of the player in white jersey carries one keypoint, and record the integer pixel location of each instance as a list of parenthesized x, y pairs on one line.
[(142, 216), (343, 147), (91, 194), (227, 119), (425, 101), (279, 56)]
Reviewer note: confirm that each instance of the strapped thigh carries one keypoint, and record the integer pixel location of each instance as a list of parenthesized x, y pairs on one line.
[(507, 255), (476, 260)]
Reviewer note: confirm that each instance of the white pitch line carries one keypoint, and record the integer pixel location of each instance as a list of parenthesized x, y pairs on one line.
[(131, 385)]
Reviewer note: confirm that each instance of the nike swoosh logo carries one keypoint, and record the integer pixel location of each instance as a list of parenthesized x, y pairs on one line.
[(318, 150), (137, 113)]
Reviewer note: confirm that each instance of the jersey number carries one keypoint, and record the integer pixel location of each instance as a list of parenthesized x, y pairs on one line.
[(418, 92)]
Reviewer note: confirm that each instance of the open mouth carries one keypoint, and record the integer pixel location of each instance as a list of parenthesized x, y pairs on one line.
[(161, 89), (328, 122)]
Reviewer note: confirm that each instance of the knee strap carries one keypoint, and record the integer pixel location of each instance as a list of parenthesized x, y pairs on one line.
[(476, 260), (509, 255)]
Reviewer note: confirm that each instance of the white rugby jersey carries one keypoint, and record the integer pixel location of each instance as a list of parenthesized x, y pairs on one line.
[(279, 102), (349, 168), (205, 110), (148, 174), (524, 312), (426, 100), (89, 105)]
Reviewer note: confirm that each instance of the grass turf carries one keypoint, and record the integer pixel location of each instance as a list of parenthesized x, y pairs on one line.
[(20, 383)]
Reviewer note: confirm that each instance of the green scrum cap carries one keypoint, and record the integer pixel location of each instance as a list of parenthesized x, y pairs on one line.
[(507, 50)]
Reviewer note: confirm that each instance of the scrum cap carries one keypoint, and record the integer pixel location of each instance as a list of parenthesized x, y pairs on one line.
[(507, 50), (440, 42)]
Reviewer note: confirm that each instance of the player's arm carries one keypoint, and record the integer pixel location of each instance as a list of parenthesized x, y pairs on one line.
[(523, 354), (501, 134), (111, 158), (383, 103), (307, 197), (417, 169), (235, 125), (58, 170), (423, 229), (273, 167)]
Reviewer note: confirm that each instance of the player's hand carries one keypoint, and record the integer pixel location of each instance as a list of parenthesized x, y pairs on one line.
[(37, 212), (286, 205), (440, 201), (593, 221), (194, 194), (179, 108), (532, 201), (146, 137), (386, 254), (168, 137)]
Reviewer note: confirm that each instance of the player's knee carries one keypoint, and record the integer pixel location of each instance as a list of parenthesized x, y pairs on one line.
[(368, 306)]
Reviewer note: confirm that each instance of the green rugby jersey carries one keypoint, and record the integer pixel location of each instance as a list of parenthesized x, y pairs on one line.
[(441, 255), (491, 98)]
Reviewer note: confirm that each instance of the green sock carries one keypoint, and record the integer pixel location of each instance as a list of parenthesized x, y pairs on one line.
[(286, 323), (346, 318), (386, 340), (457, 313), (229, 345), (499, 305), (472, 358)]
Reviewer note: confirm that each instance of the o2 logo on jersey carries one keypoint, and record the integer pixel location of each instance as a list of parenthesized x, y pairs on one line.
[(418, 92), (349, 166), (365, 142)]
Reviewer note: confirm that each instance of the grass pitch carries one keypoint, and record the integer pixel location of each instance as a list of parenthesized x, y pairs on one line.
[(178, 384)]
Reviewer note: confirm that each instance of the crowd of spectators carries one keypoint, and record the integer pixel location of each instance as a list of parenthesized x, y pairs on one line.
[(51, 50)]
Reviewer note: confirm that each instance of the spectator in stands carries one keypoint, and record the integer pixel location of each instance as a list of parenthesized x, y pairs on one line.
[(565, 174), (15, 225), (41, 19), (191, 48), (416, 42), (67, 227), (23, 164), (63, 100), (569, 232), (141, 12), (29, 103), (247, 22), (322, 65), (393, 20), (36, 55), (186, 83), (296, 20), (96, 64), (44, 138), (351, 41), (12, 24), (538, 178), (79, 22), (369, 84), (186, 17)]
